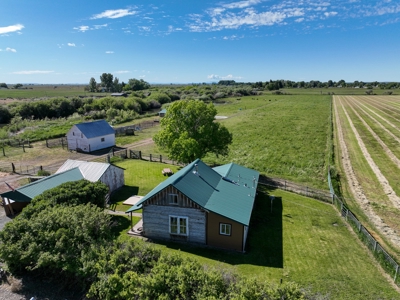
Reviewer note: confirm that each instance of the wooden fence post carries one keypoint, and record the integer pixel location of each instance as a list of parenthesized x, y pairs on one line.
[(47, 144), (23, 147), (160, 158), (140, 154), (150, 156), (395, 274), (126, 153), (4, 153), (62, 143), (13, 167)]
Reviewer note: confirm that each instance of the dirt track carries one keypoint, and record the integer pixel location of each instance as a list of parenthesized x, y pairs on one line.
[(353, 183)]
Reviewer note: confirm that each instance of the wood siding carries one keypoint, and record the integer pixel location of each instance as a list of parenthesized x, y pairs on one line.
[(215, 239), (157, 210), (113, 178)]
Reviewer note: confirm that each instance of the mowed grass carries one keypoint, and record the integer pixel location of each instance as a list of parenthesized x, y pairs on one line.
[(140, 178), (280, 136), (294, 239)]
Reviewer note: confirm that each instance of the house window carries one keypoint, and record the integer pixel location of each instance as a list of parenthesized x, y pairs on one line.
[(102, 139), (178, 225), (225, 229), (73, 133), (173, 199)]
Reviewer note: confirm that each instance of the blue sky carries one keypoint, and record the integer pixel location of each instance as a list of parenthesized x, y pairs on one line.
[(178, 41)]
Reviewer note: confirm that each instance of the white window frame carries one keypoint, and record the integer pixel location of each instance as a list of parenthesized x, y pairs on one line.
[(178, 229), (223, 229), (173, 199)]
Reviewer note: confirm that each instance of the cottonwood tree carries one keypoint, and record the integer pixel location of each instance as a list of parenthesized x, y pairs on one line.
[(188, 131), (107, 81), (92, 85)]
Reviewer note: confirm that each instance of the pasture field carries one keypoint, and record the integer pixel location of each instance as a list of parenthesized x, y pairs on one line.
[(297, 239), (286, 136), (46, 90), (371, 129)]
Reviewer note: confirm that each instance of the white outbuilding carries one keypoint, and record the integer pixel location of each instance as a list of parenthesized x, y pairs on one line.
[(108, 174), (91, 136)]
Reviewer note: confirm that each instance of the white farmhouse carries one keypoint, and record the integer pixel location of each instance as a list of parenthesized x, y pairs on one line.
[(91, 136)]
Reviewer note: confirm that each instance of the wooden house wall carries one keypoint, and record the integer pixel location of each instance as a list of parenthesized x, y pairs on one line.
[(215, 239), (113, 178), (156, 212)]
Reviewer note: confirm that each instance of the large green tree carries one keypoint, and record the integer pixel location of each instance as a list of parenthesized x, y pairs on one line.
[(107, 81), (92, 85), (189, 131)]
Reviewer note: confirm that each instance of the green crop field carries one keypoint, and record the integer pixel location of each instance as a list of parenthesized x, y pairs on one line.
[(296, 239)]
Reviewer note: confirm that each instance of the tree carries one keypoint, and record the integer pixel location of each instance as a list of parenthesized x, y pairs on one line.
[(3, 85), (138, 85), (107, 81), (188, 131), (117, 87), (92, 85)]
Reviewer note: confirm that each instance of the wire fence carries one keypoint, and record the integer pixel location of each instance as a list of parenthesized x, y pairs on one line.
[(383, 257)]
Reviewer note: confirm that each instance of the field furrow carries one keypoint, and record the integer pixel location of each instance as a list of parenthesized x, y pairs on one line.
[(363, 151)]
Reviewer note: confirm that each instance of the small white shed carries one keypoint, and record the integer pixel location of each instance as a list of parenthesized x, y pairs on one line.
[(108, 174), (91, 136)]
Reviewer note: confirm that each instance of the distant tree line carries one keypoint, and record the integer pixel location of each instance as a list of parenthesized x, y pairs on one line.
[(110, 84), (272, 85)]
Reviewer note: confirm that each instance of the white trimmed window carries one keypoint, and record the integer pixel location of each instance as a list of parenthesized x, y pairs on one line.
[(178, 225), (225, 229), (173, 199)]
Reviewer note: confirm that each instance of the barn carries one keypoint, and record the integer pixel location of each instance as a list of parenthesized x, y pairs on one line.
[(109, 174), (202, 205), (91, 136)]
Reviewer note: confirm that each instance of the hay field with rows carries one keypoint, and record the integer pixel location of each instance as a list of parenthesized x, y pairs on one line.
[(368, 151)]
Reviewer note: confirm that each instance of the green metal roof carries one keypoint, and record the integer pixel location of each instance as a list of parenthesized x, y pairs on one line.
[(27, 192), (228, 190)]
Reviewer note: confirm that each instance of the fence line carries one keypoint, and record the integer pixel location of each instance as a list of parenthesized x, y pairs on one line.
[(384, 258), (130, 129)]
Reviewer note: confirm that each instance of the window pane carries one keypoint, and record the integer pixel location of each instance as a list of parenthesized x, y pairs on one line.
[(173, 225), (182, 226)]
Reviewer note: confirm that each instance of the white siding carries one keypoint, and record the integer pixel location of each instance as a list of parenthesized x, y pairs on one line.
[(156, 222), (96, 143), (113, 178), (76, 140)]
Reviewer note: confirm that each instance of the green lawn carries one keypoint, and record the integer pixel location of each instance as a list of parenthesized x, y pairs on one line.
[(297, 239)]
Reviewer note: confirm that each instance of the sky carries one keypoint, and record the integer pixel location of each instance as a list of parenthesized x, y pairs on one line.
[(67, 42)]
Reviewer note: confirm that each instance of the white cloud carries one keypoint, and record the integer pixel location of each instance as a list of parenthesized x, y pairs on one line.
[(241, 4), (122, 72), (110, 52), (71, 44), (11, 28), (82, 28), (330, 14), (32, 72), (8, 49), (114, 14), (227, 77), (100, 26)]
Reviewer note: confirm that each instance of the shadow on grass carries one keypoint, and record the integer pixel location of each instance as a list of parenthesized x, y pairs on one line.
[(264, 242), (119, 224)]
